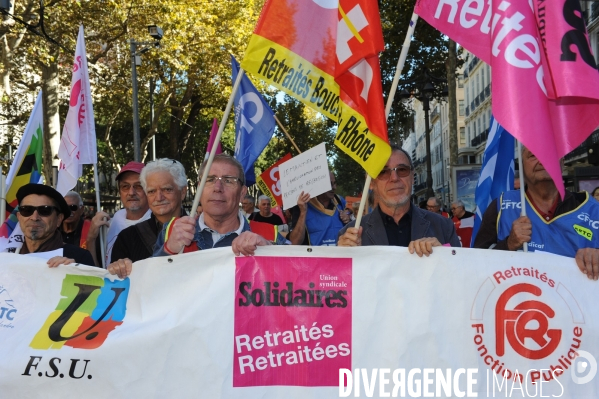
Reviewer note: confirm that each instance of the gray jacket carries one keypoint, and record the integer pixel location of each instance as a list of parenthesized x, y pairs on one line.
[(424, 224)]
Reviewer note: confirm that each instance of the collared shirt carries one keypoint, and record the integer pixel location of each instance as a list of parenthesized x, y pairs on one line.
[(216, 236), (398, 234)]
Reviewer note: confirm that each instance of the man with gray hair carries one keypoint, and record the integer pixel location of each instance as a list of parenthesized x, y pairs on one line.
[(221, 224), (248, 206), (165, 184), (463, 221), (434, 205), (74, 228), (395, 221), (265, 215)]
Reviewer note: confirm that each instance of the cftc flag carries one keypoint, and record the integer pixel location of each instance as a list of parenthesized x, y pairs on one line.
[(547, 87), (26, 168), (254, 124), (497, 172), (78, 141), (330, 63)]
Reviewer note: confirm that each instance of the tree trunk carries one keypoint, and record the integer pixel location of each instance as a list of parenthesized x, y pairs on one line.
[(51, 117), (452, 102)]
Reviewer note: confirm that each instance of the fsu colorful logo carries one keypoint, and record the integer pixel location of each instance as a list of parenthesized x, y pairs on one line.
[(90, 309), (515, 324)]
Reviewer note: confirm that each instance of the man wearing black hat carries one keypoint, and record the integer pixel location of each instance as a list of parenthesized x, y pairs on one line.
[(41, 212)]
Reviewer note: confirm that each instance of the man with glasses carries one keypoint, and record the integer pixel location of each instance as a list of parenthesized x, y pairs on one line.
[(75, 228), (41, 212), (317, 221), (434, 205), (248, 206), (463, 221), (221, 223), (165, 184), (396, 221), (135, 210)]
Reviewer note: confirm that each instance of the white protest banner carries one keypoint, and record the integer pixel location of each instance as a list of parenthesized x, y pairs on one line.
[(308, 172), (282, 324)]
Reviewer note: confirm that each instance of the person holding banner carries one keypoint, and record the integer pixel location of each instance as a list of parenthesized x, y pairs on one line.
[(564, 227), (41, 212), (221, 224), (135, 210), (396, 221), (317, 221)]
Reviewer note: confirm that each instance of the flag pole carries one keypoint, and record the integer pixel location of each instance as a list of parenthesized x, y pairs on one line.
[(2, 196), (98, 208), (287, 134), (221, 128), (522, 193), (400, 64)]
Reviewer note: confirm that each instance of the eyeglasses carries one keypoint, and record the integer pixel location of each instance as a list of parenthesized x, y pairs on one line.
[(401, 170), (125, 188), (432, 206), (42, 210), (228, 181), (73, 208)]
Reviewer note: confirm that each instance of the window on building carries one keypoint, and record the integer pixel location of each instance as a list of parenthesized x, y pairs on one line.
[(463, 135), (461, 108), (460, 81)]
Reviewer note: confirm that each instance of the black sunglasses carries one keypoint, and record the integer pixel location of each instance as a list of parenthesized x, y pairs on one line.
[(43, 210), (74, 208)]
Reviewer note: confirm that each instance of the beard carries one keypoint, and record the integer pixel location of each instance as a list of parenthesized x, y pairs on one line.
[(396, 203)]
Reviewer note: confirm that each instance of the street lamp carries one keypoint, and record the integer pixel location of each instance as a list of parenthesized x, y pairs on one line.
[(424, 88), (157, 34)]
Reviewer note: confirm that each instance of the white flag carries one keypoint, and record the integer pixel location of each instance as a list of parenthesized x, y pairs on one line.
[(78, 142)]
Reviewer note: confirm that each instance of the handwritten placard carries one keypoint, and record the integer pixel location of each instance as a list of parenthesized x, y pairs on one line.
[(308, 172)]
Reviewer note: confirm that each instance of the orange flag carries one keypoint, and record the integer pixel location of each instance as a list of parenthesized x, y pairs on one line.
[(329, 63)]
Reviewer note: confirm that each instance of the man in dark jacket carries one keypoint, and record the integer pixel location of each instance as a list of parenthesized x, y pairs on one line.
[(165, 184), (396, 221), (41, 212)]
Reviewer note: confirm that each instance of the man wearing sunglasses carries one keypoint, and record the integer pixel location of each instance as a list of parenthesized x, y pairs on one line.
[(221, 223), (41, 212), (396, 221), (75, 228)]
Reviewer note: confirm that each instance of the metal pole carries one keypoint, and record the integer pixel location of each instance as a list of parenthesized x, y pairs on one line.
[(136, 137), (152, 117), (429, 173), (2, 196)]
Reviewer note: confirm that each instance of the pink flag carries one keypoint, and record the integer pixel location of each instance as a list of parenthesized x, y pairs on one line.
[(78, 142), (213, 133), (545, 82)]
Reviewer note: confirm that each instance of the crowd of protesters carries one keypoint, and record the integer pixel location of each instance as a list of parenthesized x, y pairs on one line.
[(153, 221)]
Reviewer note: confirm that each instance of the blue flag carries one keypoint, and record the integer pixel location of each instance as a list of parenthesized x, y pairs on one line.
[(254, 124), (497, 172)]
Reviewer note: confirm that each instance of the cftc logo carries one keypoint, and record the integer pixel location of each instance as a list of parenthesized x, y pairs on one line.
[(527, 320)]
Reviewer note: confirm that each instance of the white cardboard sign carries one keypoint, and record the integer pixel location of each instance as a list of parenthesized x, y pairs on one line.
[(308, 172)]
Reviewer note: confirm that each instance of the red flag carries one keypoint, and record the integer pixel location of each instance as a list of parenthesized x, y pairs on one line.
[(329, 63)]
